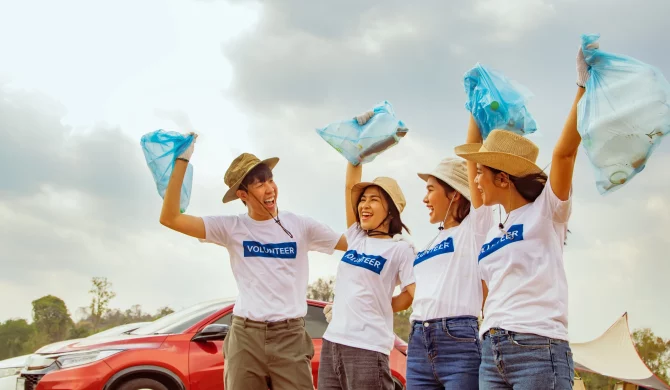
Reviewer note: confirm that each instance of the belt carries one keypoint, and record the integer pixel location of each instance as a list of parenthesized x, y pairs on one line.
[(444, 320), (268, 324)]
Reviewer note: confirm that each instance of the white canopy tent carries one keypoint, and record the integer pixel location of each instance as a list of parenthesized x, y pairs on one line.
[(613, 354)]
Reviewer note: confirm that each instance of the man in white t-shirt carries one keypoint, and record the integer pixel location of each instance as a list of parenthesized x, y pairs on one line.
[(267, 342)]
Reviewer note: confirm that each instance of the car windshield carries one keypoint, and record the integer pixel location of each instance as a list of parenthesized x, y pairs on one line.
[(181, 320)]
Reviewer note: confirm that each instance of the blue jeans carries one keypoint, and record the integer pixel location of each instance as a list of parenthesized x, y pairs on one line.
[(523, 361), (444, 353)]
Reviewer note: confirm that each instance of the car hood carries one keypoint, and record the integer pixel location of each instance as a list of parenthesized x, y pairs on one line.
[(18, 361), (112, 342)]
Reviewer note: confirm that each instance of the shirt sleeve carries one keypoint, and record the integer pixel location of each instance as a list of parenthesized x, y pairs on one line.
[(353, 234), (552, 207), (321, 238), (406, 269), (217, 229), (480, 220)]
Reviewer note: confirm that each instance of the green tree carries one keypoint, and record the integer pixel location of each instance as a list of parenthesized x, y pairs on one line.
[(80, 330), (597, 381), (51, 318), (14, 334), (401, 324), (162, 312), (102, 294), (323, 289), (654, 350)]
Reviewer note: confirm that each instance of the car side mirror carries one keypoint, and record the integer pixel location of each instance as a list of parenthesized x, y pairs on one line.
[(212, 332)]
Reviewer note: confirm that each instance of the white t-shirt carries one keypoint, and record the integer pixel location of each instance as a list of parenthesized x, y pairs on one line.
[(366, 277), (271, 269), (448, 281), (528, 289)]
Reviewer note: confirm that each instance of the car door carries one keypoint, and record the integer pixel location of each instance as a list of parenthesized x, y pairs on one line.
[(206, 361), (315, 324)]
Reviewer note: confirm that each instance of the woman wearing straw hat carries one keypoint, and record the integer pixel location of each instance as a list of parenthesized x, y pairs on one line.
[(359, 338), (444, 349), (525, 328)]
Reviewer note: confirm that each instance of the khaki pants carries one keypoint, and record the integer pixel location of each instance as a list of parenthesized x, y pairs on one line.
[(262, 355)]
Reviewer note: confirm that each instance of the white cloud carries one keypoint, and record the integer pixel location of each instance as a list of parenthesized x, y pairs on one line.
[(79, 200), (510, 19)]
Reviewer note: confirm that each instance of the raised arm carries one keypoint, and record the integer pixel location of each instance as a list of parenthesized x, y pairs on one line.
[(354, 174), (565, 153), (474, 137), (170, 214)]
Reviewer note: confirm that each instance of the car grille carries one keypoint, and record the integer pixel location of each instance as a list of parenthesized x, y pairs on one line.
[(32, 380)]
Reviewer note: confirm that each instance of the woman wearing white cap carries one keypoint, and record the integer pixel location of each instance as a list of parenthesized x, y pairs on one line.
[(525, 328), (358, 341), (444, 349)]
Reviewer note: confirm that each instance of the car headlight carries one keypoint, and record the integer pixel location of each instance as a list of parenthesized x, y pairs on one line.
[(9, 371), (81, 358)]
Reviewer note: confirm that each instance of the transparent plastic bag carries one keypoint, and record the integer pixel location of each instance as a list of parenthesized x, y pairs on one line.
[(161, 148), (497, 102), (362, 144), (622, 116)]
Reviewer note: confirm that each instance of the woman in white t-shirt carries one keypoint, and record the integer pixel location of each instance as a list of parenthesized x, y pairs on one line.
[(359, 338), (525, 327), (444, 349)]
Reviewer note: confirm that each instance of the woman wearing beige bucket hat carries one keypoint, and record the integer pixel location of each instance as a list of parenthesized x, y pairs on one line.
[(359, 338), (268, 256), (444, 348), (525, 326)]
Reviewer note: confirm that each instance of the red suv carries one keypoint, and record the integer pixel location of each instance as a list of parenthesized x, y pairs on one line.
[(177, 352)]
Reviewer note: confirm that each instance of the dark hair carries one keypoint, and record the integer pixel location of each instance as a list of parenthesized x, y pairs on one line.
[(396, 225), (463, 207), (529, 186), (260, 173)]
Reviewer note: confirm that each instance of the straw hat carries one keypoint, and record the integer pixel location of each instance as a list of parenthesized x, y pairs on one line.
[(504, 151), (387, 184), (239, 168), (454, 172)]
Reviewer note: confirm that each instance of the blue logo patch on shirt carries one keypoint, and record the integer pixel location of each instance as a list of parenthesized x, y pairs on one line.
[(446, 246), (514, 234), (283, 250), (369, 262)]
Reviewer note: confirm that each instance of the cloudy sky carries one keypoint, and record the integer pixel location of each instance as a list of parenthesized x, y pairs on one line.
[(80, 82)]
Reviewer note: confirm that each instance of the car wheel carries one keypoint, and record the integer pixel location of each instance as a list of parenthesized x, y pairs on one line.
[(142, 384)]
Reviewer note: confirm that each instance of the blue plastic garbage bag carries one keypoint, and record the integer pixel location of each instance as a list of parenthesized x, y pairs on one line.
[(622, 116), (161, 148), (497, 102), (362, 144)]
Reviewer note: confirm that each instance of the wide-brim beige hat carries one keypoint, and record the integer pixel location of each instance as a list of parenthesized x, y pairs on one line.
[(454, 172), (390, 186), (505, 151), (239, 168)]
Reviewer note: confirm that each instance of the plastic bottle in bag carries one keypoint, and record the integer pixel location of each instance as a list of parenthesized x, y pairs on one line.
[(362, 144), (161, 148), (496, 102), (622, 116)]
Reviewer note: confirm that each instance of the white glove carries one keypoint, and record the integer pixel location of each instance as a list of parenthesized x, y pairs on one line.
[(328, 312), (364, 117), (189, 151), (582, 67)]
